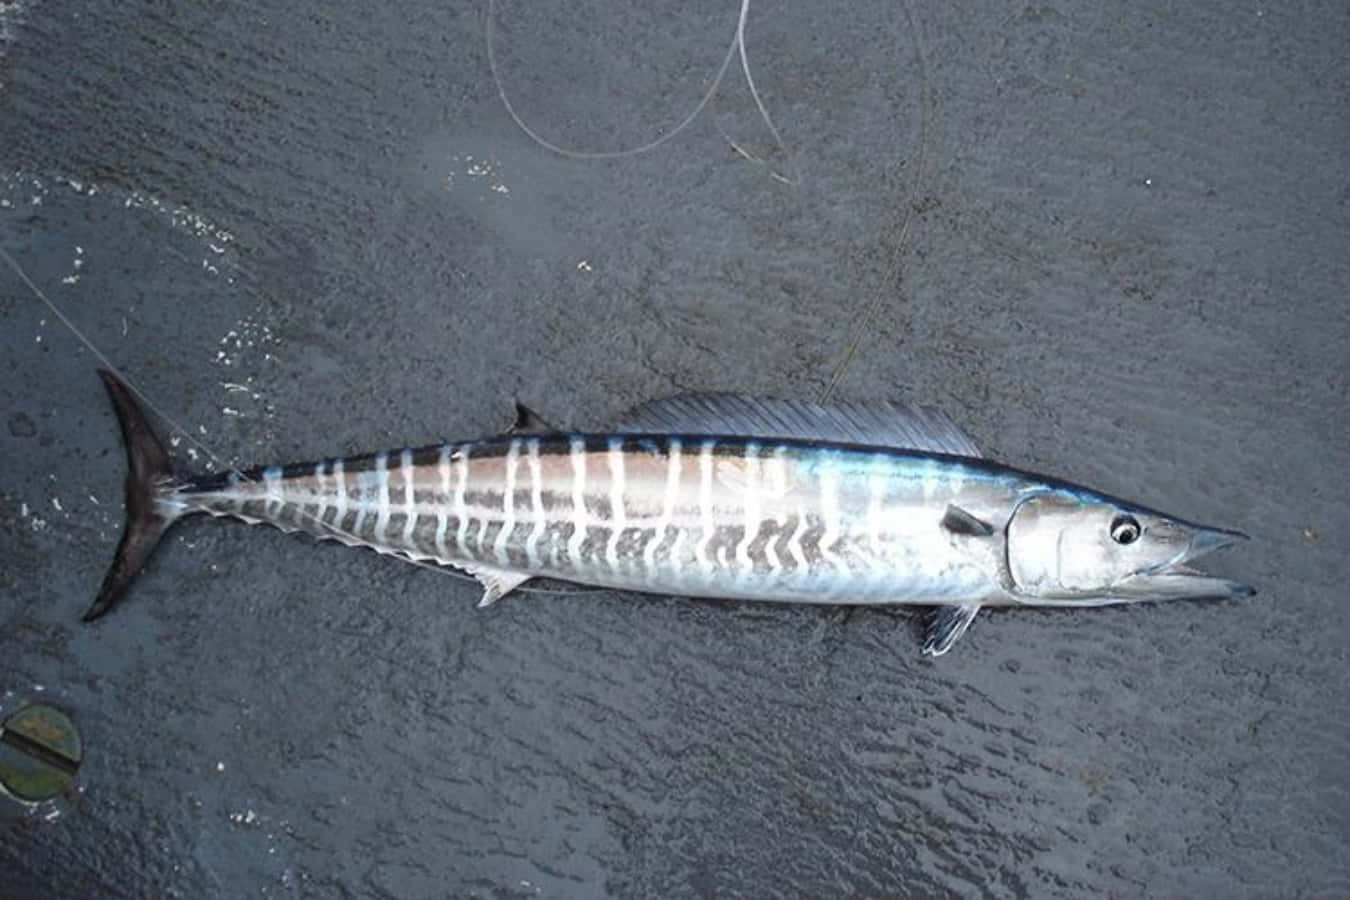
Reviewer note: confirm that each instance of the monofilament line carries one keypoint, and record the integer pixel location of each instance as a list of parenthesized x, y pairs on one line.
[(864, 320), (98, 354), (215, 459), (736, 48)]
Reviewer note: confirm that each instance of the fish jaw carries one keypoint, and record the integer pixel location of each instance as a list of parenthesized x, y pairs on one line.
[(1176, 580)]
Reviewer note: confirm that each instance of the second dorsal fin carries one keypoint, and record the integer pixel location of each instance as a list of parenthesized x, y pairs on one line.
[(530, 422), (879, 424)]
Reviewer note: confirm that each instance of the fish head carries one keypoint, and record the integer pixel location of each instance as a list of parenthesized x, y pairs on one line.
[(1083, 549)]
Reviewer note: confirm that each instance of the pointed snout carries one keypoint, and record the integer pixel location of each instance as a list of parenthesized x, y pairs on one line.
[(1176, 579), (1207, 540)]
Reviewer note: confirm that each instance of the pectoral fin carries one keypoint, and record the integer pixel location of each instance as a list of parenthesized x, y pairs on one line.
[(946, 626), (958, 521)]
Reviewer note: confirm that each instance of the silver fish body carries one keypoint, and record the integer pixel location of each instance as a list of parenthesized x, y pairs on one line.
[(765, 517), (710, 516)]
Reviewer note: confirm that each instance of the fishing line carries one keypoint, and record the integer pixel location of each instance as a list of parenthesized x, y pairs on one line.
[(737, 48), (868, 314), (107, 363), (336, 532), (869, 311)]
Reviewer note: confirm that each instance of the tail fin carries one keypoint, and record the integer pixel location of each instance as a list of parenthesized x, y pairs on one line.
[(148, 468)]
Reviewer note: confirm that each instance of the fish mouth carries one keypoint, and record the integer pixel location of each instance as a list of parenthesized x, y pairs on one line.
[(1175, 579)]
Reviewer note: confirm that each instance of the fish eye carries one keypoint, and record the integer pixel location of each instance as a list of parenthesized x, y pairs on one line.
[(1125, 529)]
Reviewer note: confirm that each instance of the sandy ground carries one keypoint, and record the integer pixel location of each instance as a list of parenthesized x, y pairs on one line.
[(1110, 240)]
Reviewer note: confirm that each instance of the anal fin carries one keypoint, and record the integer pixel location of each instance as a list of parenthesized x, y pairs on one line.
[(946, 627), (496, 583)]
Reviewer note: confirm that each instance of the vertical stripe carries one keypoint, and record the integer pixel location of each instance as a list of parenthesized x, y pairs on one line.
[(340, 498), (537, 517), (272, 484), (577, 452), (705, 509), (461, 457), (876, 525), (956, 480), (829, 510), (930, 475), (405, 467), (618, 515), (360, 503), (321, 496), (508, 503), (752, 501), (672, 491), (794, 543), (776, 476), (382, 504), (325, 495), (443, 503)]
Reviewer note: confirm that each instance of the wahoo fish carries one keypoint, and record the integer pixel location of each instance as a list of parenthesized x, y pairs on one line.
[(706, 495)]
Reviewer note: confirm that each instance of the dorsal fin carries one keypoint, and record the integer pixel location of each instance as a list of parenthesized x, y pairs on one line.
[(878, 424)]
